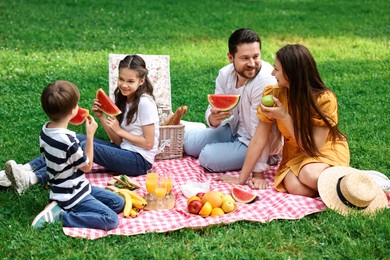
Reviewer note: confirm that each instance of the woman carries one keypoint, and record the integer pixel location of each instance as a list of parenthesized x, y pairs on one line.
[(306, 114)]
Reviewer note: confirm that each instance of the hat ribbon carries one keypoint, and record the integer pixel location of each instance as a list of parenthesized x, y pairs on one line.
[(343, 199)]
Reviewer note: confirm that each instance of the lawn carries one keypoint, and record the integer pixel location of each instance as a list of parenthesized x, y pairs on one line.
[(42, 40)]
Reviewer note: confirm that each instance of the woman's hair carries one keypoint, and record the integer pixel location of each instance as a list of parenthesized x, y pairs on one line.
[(136, 63), (301, 71), (240, 36), (59, 98)]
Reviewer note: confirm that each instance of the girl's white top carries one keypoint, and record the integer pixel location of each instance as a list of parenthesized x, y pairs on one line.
[(147, 114)]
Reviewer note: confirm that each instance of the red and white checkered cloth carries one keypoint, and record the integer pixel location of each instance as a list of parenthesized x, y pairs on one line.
[(270, 205)]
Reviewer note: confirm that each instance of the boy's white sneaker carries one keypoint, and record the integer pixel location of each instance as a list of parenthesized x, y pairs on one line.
[(20, 178), (4, 181)]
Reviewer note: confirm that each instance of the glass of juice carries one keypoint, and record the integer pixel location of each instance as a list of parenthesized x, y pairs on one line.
[(168, 182), (151, 183), (160, 192)]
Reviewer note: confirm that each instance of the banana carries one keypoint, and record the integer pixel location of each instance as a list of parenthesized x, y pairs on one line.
[(136, 200), (137, 204), (128, 202), (133, 213), (138, 197), (137, 209)]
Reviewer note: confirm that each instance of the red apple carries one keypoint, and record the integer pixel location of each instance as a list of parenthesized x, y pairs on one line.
[(200, 194), (195, 206)]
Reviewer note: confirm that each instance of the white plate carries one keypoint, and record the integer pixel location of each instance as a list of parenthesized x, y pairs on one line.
[(192, 188)]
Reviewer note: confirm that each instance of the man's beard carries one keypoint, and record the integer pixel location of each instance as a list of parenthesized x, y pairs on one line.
[(242, 73)]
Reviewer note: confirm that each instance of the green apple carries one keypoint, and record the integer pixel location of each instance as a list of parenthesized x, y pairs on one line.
[(268, 101)]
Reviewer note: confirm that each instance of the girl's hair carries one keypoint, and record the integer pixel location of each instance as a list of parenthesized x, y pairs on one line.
[(136, 63), (301, 71), (59, 98)]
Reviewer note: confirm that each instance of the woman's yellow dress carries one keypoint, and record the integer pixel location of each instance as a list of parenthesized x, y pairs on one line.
[(294, 158)]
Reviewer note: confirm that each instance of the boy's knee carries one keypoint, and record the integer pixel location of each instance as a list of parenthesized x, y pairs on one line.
[(112, 223), (121, 205)]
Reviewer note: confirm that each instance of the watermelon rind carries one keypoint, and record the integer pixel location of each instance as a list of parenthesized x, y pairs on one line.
[(106, 105), (243, 196), (223, 102)]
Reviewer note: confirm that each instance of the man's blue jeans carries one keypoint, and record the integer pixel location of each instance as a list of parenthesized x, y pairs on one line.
[(98, 210), (218, 149)]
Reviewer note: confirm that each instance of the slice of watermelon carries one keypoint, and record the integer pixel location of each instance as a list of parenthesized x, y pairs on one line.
[(223, 102), (106, 105), (80, 117), (243, 196)]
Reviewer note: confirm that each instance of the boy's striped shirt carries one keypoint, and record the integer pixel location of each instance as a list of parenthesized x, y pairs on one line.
[(64, 156)]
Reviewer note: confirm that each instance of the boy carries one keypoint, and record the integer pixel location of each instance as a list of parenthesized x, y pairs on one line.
[(74, 201)]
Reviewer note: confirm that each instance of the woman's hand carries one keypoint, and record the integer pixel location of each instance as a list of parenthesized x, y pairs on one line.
[(278, 111), (97, 110), (258, 182)]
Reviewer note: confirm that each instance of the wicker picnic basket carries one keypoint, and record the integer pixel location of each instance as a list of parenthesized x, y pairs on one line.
[(170, 142)]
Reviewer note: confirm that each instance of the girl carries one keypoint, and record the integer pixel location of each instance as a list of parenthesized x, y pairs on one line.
[(134, 134), (305, 112)]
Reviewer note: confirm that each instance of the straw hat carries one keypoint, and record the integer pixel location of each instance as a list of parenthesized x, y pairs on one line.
[(347, 190)]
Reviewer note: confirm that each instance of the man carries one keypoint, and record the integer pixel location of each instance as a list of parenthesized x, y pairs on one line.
[(223, 146)]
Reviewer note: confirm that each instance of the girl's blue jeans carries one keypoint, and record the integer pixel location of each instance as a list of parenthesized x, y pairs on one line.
[(107, 155)]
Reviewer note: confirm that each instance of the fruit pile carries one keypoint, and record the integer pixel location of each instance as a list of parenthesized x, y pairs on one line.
[(211, 203), (134, 202)]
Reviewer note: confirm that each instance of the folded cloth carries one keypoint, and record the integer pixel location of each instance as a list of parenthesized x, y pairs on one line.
[(379, 178), (188, 126)]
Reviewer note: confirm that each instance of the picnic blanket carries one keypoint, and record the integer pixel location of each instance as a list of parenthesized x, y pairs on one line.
[(270, 205)]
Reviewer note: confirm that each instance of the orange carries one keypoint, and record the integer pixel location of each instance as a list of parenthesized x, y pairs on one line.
[(214, 197), (217, 212), (206, 210), (193, 198), (228, 206)]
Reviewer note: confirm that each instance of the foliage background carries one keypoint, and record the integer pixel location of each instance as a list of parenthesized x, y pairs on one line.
[(42, 41)]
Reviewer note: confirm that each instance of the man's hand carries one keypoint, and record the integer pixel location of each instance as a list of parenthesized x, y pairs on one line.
[(228, 179), (216, 116)]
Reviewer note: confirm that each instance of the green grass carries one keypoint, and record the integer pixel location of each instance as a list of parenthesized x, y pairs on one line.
[(41, 41)]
